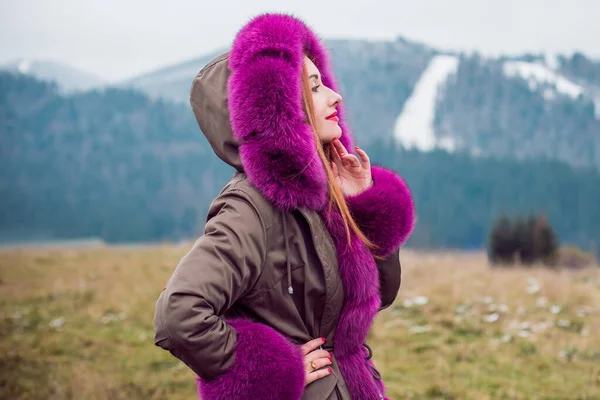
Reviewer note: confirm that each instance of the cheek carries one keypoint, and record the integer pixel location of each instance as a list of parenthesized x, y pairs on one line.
[(320, 107)]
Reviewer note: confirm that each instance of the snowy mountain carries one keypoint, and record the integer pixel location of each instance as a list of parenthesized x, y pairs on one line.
[(525, 107), (67, 78), (518, 108), (530, 106)]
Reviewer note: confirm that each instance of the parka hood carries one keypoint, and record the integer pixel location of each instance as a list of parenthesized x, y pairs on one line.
[(248, 104)]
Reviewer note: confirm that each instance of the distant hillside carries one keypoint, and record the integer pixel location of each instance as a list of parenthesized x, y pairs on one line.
[(118, 165), (112, 164), (518, 109), (172, 83), (67, 78)]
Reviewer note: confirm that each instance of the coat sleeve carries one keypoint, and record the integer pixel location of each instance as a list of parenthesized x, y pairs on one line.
[(390, 278), (232, 358), (385, 212)]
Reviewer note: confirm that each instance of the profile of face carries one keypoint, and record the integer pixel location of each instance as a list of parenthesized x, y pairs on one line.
[(325, 102)]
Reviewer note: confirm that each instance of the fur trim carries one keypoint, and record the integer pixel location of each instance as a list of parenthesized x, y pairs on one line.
[(265, 102), (385, 212), (267, 366), (360, 279)]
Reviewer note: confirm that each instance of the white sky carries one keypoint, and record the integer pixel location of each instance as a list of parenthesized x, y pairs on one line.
[(116, 39)]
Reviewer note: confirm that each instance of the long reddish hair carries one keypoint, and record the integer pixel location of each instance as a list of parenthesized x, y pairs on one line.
[(336, 197)]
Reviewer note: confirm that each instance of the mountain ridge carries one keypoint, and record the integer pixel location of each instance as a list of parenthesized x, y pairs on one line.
[(124, 167)]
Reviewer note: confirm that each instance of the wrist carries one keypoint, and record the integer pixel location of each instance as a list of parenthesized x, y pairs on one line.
[(358, 190), (367, 186)]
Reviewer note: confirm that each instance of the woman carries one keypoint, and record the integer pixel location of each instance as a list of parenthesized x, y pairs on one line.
[(300, 249)]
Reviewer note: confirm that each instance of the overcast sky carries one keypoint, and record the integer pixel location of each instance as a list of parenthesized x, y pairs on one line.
[(116, 39)]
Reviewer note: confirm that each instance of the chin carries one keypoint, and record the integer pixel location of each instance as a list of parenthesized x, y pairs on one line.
[(332, 134)]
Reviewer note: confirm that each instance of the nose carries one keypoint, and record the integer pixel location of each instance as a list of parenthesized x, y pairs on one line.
[(336, 98)]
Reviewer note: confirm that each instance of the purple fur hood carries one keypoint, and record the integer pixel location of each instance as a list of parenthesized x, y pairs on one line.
[(250, 110)]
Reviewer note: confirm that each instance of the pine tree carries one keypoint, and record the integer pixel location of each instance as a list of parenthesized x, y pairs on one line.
[(524, 237), (546, 242), (501, 244)]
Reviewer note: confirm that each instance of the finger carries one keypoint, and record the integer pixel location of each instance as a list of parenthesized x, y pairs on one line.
[(364, 158), (339, 163), (319, 363), (351, 160), (339, 147), (318, 374), (317, 354), (335, 156), (311, 345), (334, 168)]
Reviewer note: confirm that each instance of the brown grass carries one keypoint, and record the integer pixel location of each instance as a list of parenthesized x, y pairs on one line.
[(77, 324)]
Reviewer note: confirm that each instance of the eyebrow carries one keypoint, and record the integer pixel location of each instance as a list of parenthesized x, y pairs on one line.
[(316, 76)]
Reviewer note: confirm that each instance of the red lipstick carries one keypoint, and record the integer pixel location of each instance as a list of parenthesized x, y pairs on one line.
[(333, 117)]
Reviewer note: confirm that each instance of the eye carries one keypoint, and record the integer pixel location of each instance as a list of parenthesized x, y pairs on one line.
[(315, 88)]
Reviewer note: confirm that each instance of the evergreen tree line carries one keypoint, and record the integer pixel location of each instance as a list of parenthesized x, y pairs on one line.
[(527, 240)]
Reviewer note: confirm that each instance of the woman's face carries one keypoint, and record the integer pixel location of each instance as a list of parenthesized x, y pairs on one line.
[(325, 101)]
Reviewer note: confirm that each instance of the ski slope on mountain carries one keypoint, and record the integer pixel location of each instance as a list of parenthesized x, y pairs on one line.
[(414, 126)]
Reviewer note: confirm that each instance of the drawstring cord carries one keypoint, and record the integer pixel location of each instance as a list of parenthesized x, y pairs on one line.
[(287, 256)]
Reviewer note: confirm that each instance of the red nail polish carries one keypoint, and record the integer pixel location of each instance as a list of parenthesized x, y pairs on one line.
[(330, 360), (330, 355), (329, 370), (323, 339)]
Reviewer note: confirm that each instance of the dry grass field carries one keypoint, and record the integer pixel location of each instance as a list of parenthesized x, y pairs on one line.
[(77, 324)]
